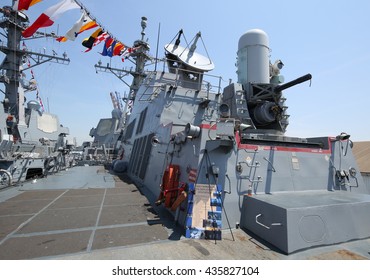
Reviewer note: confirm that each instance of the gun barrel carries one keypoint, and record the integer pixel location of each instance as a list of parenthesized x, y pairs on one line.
[(293, 83)]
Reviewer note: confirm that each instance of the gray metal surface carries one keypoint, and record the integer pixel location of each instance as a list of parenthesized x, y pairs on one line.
[(300, 220), (45, 220), (78, 177), (123, 223)]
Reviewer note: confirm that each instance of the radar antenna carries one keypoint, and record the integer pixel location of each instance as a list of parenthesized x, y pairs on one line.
[(187, 56)]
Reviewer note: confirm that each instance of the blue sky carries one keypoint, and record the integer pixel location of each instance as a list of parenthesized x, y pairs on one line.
[(329, 39)]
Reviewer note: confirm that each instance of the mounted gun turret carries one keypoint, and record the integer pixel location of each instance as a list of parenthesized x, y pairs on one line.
[(293, 83), (256, 101)]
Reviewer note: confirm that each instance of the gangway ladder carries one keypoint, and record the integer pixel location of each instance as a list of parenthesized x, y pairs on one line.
[(251, 177)]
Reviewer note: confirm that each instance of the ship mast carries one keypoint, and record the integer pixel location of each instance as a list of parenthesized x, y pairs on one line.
[(13, 23), (140, 55)]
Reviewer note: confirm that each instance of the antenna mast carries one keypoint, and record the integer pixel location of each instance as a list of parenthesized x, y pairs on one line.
[(14, 22)]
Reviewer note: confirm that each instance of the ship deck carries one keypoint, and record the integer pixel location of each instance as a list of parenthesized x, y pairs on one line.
[(88, 213)]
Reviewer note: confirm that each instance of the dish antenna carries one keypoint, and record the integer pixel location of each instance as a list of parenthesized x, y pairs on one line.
[(189, 57)]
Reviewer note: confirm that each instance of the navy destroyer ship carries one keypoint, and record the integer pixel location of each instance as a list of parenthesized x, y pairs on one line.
[(32, 141), (218, 158), (200, 171)]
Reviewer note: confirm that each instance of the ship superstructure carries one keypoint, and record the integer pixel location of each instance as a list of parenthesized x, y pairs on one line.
[(219, 158)]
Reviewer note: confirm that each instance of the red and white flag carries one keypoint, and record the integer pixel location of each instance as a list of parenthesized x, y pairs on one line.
[(101, 38), (20, 5), (49, 16)]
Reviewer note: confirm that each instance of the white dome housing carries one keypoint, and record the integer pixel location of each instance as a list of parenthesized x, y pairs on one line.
[(253, 57)]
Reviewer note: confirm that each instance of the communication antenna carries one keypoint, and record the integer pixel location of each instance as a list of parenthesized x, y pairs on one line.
[(189, 57)]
